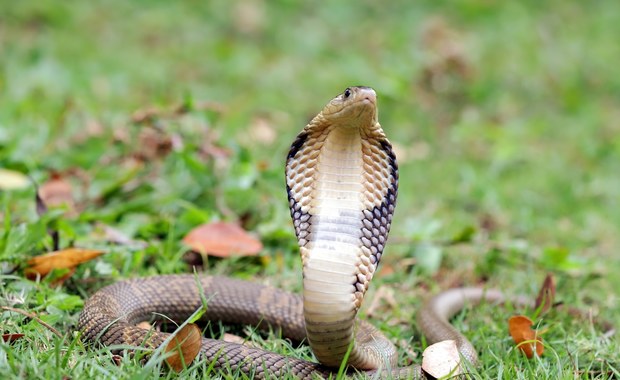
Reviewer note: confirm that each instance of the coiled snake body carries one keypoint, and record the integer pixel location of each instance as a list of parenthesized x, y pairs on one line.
[(342, 181)]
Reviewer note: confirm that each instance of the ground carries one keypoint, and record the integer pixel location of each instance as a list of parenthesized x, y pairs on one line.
[(164, 115)]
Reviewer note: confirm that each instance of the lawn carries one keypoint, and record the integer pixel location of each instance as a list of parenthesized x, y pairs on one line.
[(165, 115)]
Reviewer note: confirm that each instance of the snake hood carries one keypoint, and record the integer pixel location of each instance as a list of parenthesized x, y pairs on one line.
[(342, 181)]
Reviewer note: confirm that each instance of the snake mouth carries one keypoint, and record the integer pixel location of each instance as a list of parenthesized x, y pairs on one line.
[(367, 104), (357, 105), (368, 95)]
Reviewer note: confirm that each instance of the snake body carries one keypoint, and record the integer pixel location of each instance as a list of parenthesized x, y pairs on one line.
[(342, 182)]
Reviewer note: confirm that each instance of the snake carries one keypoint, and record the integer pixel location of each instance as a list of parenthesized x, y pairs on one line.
[(342, 185)]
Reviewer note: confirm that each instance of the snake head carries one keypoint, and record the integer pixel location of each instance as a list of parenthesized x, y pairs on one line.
[(355, 107)]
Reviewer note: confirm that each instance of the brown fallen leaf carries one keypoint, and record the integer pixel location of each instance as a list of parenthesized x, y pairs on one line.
[(154, 144), (62, 278), (232, 338), (262, 130), (250, 17), (446, 72), (9, 338), (57, 192), (526, 339), (442, 359), (210, 150), (222, 240), (144, 325), (116, 236), (146, 115), (383, 296), (67, 258), (385, 270), (184, 347), (91, 129), (117, 360), (546, 295)]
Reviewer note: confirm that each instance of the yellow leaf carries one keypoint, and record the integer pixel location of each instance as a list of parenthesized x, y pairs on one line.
[(64, 259), (13, 180), (184, 347)]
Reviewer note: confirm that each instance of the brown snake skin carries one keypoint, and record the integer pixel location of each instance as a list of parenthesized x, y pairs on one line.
[(342, 181), (110, 317)]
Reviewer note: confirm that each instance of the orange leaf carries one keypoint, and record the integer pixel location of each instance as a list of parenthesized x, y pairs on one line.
[(386, 270), (63, 259), (527, 340), (184, 347), (222, 240), (546, 295), (9, 338), (64, 277)]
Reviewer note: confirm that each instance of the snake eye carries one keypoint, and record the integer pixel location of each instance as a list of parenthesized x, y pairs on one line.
[(347, 93)]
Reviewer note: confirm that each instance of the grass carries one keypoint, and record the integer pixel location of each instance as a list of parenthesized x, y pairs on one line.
[(504, 117)]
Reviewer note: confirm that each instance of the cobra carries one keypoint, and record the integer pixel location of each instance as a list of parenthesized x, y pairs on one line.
[(342, 183)]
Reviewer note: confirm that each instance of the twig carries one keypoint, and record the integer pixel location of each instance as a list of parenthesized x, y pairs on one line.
[(32, 316)]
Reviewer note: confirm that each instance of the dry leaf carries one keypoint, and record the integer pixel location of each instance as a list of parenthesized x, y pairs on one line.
[(117, 360), (546, 295), (385, 270), (262, 130), (145, 115), (223, 240), (184, 347), (384, 295), (57, 193), (64, 259), (249, 17), (9, 338), (13, 180), (60, 280), (448, 54), (207, 105), (116, 236), (153, 144), (527, 340), (144, 325), (232, 338), (210, 150), (92, 129), (446, 72), (442, 359)]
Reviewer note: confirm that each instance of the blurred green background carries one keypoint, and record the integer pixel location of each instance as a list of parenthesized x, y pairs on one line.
[(505, 117)]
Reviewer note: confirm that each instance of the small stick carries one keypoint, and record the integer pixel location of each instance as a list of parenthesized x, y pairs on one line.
[(32, 316)]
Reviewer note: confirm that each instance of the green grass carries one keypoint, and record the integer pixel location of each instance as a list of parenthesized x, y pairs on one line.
[(505, 117)]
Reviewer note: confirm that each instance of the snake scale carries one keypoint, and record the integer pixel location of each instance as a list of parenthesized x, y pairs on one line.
[(342, 183)]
